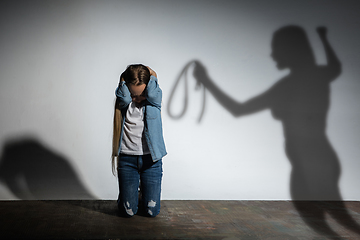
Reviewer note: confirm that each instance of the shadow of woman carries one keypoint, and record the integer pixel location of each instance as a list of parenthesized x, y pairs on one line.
[(300, 101), (33, 172)]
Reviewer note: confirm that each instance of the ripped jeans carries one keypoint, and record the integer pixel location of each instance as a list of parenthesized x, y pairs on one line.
[(134, 172)]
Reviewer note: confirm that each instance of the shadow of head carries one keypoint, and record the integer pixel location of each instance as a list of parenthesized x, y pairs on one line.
[(32, 171), (291, 48)]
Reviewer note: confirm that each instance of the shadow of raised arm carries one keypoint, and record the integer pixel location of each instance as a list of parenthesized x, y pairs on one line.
[(333, 68)]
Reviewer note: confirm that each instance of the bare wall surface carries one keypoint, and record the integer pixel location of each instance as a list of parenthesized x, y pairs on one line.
[(59, 66)]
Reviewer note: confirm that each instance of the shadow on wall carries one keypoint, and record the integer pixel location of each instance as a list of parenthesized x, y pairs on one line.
[(301, 102), (33, 172), (184, 75)]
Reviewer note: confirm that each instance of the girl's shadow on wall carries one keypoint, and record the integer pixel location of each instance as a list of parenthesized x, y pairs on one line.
[(33, 172), (300, 101)]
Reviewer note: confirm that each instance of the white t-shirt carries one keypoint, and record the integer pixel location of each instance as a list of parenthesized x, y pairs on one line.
[(133, 140)]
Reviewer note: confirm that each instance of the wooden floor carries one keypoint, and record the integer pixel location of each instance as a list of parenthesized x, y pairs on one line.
[(226, 220)]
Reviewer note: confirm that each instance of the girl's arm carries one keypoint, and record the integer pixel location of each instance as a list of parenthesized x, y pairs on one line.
[(153, 92), (123, 94), (333, 67)]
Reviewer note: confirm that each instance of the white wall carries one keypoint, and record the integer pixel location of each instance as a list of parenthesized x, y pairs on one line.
[(59, 67)]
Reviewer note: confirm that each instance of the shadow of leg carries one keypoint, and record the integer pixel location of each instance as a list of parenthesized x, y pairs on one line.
[(313, 214), (340, 213)]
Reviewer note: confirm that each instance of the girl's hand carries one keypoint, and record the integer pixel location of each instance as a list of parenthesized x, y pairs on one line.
[(122, 77), (152, 72)]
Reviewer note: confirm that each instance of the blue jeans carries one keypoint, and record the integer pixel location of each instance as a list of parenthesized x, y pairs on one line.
[(134, 172)]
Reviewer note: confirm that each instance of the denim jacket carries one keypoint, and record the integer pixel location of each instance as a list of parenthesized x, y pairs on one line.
[(152, 111)]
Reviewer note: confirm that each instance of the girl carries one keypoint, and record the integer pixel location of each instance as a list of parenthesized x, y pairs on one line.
[(138, 144)]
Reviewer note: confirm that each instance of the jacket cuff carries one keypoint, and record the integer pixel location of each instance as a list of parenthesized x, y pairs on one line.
[(152, 77)]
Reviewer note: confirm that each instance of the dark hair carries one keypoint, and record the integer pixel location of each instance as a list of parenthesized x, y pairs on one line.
[(136, 74)]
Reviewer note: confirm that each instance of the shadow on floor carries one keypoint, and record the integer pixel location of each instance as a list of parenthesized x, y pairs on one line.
[(32, 171), (313, 213)]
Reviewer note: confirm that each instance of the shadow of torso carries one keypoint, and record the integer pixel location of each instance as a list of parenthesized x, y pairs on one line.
[(301, 102)]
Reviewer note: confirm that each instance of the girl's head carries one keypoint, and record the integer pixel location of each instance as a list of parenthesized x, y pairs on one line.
[(291, 48), (136, 78)]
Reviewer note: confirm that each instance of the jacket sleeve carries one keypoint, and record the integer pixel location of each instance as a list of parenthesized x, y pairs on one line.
[(123, 94), (153, 92)]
